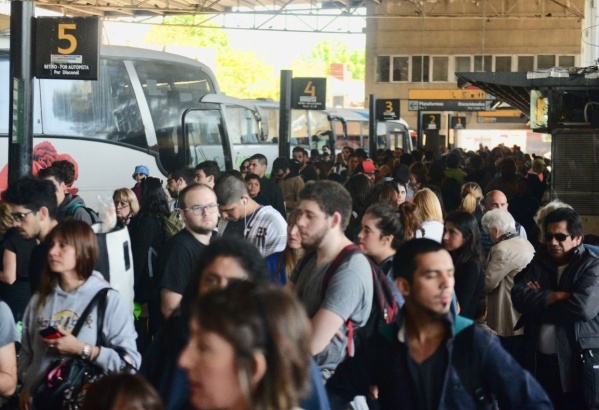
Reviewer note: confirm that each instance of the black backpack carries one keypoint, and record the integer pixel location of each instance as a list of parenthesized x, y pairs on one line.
[(384, 307)]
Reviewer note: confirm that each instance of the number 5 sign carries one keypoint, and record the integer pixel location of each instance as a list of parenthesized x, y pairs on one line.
[(308, 93), (67, 48)]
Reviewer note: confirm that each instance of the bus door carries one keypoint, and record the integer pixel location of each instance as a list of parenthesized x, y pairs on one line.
[(206, 137)]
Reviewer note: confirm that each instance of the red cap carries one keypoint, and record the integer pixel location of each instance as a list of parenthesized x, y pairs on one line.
[(369, 167)]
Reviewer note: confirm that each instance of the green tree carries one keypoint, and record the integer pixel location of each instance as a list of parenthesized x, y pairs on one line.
[(326, 53), (243, 75), (179, 30), (239, 73)]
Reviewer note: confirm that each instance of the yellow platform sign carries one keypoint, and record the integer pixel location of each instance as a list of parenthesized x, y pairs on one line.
[(447, 95)]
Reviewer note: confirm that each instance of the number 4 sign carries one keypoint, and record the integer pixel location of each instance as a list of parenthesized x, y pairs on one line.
[(308, 93)]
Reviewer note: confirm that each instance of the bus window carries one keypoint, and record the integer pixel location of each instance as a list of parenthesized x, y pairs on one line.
[(102, 109), (204, 134), (170, 88), (242, 125)]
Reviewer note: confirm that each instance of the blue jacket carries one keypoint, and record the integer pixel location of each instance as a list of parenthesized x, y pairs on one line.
[(499, 374)]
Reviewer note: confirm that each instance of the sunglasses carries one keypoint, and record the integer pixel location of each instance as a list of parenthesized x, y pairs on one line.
[(560, 237)]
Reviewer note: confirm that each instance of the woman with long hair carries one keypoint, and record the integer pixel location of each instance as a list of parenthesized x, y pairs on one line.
[(359, 187), (461, 238), (147, 231), (381, 235), (472, 196), (245, 354), (410, 219), (68, 284), (281, 264), (125, 204), (431, 213)]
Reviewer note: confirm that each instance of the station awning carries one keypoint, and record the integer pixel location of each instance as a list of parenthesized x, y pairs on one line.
[(515, 88)]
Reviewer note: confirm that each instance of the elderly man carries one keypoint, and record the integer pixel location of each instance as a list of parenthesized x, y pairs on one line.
[(558, 296), (508, 256), (497, 200)]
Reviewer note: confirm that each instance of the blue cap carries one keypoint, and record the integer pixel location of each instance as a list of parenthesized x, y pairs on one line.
[(141, 169)]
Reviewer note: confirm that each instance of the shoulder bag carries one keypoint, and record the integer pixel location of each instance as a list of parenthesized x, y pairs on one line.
[(67, 380)]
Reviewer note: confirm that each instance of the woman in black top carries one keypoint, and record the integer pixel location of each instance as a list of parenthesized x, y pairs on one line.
[(461, 237), (147, 231)]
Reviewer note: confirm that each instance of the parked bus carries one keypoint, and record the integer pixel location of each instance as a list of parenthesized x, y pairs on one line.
[(130, 116), (253, 127)]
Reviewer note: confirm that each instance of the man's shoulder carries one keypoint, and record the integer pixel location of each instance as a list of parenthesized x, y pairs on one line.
[(182, 242), (269, 213)]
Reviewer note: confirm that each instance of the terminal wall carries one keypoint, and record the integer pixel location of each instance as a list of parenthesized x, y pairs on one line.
[(502, 28)]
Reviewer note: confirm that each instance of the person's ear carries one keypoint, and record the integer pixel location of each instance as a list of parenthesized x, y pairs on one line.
[(403, 286), (335, 219), (260, 366), (43, 212)]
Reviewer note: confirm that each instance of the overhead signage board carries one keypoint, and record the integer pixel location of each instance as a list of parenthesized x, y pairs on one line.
[(449, 105), (308, 93), (468, 94), (67, 48), (387, 109)]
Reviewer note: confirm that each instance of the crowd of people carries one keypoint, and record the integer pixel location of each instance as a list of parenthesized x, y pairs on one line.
[(258, 291)]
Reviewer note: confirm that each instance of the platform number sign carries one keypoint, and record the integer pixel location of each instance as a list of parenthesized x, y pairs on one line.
[(387, 109), (458, 123), (67, 48), (308, 93), (431, 121)]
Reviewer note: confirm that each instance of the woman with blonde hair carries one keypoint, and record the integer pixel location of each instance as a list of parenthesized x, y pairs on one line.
[(432, 215), (126, 205), (472, 196)]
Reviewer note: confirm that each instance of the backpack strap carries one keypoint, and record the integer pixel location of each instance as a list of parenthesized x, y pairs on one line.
[(466, 362), (73, 208)]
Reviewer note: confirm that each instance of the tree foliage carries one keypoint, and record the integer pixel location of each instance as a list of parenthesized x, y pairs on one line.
[(239, 73), (326, 53)]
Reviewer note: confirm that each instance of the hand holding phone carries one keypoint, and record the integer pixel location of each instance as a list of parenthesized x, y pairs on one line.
[(51, 332)]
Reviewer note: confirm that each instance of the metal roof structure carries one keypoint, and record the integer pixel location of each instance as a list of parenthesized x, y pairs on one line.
[(572, 94)]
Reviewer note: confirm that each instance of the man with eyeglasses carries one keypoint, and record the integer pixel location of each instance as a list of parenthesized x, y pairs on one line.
[(199, 210), (177, 181), (558, 296), (34, 207)]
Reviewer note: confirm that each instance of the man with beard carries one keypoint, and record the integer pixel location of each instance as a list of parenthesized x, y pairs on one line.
[(431, 358), (199, 210), (177, 181), (325, 210)]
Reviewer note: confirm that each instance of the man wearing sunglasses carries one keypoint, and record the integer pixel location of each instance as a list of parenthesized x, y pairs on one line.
[(558, 296)]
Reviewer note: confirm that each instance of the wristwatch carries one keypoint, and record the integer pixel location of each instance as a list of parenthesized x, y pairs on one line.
[(87, 350)]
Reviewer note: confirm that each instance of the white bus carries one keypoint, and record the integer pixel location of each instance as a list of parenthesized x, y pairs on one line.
[(253, 127), (131, 115)]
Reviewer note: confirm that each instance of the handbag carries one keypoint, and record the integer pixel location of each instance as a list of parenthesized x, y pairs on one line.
[(68, 379)]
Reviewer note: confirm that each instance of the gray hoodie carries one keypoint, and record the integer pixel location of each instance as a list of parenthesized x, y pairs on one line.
[(63, 308)]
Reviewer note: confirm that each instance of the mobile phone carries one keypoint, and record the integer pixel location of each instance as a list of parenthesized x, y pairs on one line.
[(51, 332)]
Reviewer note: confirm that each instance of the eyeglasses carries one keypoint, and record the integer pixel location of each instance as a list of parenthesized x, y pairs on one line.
[(560, 237), (199, 209), (121, 204), (19, 216)]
